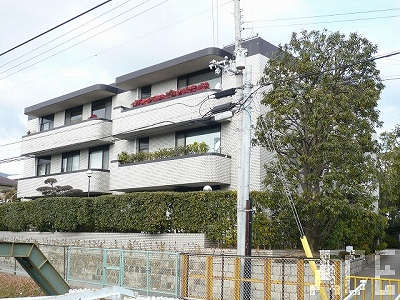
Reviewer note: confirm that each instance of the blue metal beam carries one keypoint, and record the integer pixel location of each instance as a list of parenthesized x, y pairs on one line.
[(37, 266)]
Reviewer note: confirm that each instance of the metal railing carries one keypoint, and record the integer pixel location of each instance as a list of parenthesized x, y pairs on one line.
[(372, 288)]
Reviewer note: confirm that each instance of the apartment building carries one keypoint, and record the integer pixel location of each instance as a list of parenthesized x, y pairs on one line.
[(162, 106)]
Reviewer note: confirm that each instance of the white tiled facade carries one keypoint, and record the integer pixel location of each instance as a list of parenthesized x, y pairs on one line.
[(159, 121)]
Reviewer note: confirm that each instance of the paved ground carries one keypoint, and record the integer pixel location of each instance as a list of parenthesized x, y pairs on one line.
[(386, 266)]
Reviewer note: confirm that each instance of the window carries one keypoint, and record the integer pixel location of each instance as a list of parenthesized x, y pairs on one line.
[(102, 108), (98, 158), (70, 161), (198, 77), (43, 165), (47, 122), (143, 144), (73, 115), (209, 135), (145, 92)]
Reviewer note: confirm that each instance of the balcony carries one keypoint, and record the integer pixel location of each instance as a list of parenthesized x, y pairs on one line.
[(170, 174), (178, 113), (89, 133), (99, 183)]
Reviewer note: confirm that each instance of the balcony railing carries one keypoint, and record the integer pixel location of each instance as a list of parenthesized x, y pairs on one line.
[(89, 133), (169, 114), (99, 182), (185, 171)]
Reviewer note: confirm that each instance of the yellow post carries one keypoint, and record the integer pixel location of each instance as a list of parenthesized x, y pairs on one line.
[(267, 279), (314, 268), (236, 278), (300, 279), (185, 275), (209, 277), (337, 265)]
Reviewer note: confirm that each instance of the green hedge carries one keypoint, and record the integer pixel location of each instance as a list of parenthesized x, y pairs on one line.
[(212, 213)]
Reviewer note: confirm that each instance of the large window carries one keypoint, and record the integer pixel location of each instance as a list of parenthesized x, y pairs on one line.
[(102, 108), (70, 161), (98, 158), (209, 135), (43, 165), (198, 77), (143, 144), (73, 115), (145, 92), (46, 122)]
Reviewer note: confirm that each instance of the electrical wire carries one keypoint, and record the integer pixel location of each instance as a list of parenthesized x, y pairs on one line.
[(328, 15), (80, 42), (57, 38), (327, 22), (270, 143), (73, 38), (333, 69), (51, 29), (388, 79), (111, 48)]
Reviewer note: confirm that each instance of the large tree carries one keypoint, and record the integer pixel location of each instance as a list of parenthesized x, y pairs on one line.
[(321, 119), (389, 183)]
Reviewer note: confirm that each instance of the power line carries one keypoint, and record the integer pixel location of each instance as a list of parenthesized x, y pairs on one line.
[(388, 79), (327, 22), (47, 31), (333, 69), (328, 15), (77, 42), (114, 47), (25, 54)]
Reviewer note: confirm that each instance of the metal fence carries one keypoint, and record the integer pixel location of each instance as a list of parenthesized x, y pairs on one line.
[(151, 273), (233, 277), (197, 276)]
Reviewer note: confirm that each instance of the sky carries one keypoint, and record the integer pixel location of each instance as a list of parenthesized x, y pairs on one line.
[(122, 36)]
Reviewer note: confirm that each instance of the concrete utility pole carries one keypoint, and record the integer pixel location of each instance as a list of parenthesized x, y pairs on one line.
[(244, 146), (244, 205), (243, 98)]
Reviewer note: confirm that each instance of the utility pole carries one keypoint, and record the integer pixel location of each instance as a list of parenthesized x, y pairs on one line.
[(243, 93), (244, 205), (243, 75)]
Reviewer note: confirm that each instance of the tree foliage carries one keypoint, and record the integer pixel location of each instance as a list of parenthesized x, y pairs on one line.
[(321, 118), (58, 190), (389, 189), (8, 194)]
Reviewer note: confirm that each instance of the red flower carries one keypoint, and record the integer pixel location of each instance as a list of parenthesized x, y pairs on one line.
[(172, 93)]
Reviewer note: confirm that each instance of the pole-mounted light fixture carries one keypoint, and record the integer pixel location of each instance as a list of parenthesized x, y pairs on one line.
[(89, 174)]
